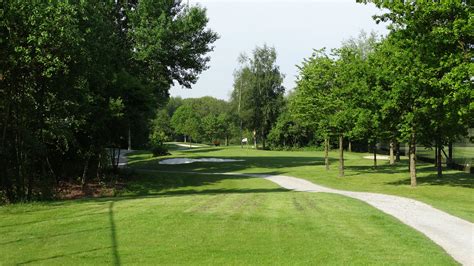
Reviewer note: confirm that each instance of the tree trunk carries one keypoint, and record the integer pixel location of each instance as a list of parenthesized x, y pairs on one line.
[(436, 155), (184, 138), (413, 160), (5, 125), (397, 153), (99, 166), (326, 153), (117, 161), (241, 135), (112, 157), (255, 139), (349, 148), (392, 158), (374, 150), (226, 140), (439, 161), (129, 138), (409, 156), (341, 156), (450, 154), (84, 173)]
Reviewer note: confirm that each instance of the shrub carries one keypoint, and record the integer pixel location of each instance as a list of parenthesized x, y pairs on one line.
[(157, 144)]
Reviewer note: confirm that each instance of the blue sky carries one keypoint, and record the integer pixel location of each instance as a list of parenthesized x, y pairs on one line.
[(294, 28)]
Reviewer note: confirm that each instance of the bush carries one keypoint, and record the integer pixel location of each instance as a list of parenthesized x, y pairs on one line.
[(159, 151), (157, 144)]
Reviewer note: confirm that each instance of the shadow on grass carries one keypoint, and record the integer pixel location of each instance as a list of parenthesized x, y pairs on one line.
[(454, 179), (113, 235), (49, 236), (159, 183), (383, 168), (246, 162), (426, 175), (59, 204), (71, 254)]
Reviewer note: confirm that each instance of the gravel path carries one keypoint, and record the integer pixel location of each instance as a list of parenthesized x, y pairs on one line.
[(123, 158), (453, 234)]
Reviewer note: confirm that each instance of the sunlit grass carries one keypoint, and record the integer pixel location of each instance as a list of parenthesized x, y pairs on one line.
[(165, 218), (452, 193)]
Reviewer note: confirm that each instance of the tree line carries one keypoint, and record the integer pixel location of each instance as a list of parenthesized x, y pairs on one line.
[(81, 78), (413, 86), (199, 120)]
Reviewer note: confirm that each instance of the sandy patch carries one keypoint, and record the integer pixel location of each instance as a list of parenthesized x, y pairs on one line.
[(379, 157), (187, 145), (192, 160)]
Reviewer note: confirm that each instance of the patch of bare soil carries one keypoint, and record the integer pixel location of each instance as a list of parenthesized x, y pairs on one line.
[(93, 189)]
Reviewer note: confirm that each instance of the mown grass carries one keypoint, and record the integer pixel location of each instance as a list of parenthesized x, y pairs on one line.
[(173, 218), (453, 193)]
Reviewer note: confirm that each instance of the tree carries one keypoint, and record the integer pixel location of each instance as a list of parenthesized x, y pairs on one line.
[(170, 41), (258, 88), (431, 57), (225, 126), (312, 104), (211, 127), (185, 121), (161, 125), (362, 97), (76, 77), (289, 133)]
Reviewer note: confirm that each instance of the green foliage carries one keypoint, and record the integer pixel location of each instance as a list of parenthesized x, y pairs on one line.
[(428, 51), (170, 41), (258, 91), (185, 121), (415, 85), (313, 103), (214, 119), (288, 133), (157, 144), (78, 77)]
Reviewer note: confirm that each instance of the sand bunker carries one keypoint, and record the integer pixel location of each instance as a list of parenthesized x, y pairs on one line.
[(187, 145), (192, 160), (379, 157)]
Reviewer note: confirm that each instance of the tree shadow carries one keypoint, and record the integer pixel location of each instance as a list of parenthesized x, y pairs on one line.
[(41, 260), (365, 169), (113, 235), (52, 219), (30, 238), (426, 175), (244, 162), (454, 179), (166, 183)]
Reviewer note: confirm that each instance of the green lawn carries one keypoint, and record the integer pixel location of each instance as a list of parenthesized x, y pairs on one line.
[(176, 218), (191, 219), (453, 193)]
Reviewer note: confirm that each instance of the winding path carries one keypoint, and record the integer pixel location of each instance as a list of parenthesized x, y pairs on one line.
[(453, 234)]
